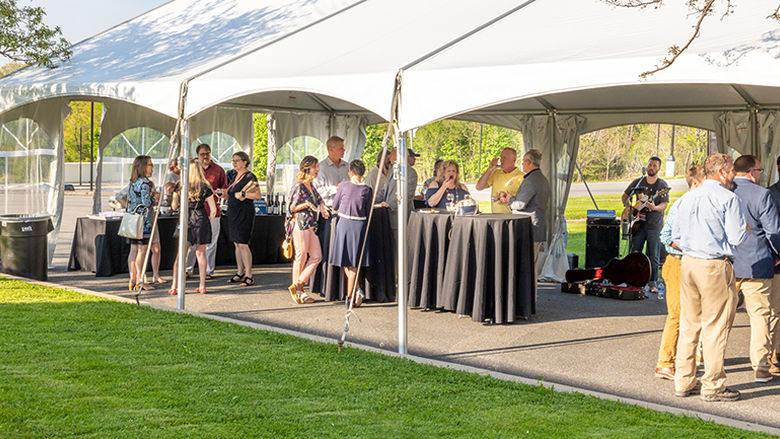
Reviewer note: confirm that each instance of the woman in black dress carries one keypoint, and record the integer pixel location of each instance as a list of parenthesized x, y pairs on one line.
[(242, 191), (353, 204), (199, 222)]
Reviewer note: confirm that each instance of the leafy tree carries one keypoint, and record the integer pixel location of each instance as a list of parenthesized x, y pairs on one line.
[(260, 151), (79, 119), (24, 37)]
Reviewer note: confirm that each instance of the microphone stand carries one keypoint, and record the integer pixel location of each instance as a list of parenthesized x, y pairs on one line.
[(628, 203)]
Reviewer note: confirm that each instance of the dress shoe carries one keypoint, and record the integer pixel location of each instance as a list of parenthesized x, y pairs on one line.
[(763, 376), (665, 373), (724, 395), (695, 390)]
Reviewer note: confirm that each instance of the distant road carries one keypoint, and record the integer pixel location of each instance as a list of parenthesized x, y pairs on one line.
[(578, 189)]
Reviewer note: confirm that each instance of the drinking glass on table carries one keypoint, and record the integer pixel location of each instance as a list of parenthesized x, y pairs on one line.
[(450, 200)]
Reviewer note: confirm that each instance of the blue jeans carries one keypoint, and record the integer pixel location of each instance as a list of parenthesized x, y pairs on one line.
[(653, 250)]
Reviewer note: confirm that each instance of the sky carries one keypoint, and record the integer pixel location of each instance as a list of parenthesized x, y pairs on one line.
[(80, 19)]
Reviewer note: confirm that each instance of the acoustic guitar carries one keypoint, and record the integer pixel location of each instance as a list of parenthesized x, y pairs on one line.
[(634, 214), (633, 270)]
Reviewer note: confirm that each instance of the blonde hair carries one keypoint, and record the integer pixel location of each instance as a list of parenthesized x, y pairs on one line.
[(197, 181), (446, 164), (694, 174), (304, 169)]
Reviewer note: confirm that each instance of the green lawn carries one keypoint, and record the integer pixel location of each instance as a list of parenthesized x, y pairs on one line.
[(74, 365)]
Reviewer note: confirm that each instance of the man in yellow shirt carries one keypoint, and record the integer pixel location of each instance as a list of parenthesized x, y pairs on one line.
[(505, 177)]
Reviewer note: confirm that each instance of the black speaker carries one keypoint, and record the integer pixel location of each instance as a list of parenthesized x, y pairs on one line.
[(602, 241)]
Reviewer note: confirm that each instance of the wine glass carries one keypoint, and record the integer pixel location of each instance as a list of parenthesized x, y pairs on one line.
[(450, 200)]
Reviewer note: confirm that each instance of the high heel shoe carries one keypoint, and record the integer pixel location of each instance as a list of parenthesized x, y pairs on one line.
[(200, 290), (172, 291), (131, 285)]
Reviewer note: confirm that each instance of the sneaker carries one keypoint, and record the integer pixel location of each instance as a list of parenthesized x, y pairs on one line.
[(665, 373), (724, 395), (763, 376), (695, 390)]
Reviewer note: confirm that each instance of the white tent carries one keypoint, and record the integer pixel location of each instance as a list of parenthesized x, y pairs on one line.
[(551, 68)]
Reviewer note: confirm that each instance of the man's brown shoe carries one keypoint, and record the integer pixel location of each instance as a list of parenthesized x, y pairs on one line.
[(723, 396), (665, 373), (763, 376)]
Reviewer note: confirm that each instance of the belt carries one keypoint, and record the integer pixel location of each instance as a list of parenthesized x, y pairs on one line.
[(675, 256), (356, 218)]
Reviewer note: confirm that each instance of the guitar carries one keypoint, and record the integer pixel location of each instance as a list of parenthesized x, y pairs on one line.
[(633, 214), (633, 270)]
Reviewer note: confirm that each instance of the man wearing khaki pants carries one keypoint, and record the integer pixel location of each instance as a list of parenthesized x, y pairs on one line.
[(774, 310), (754, 262), (708, 227)]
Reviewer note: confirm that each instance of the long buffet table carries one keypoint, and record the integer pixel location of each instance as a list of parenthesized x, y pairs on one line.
[(481, 266), (97, 247)]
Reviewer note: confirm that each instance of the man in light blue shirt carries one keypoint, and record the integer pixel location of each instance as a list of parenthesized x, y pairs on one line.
[(667, 353), (709, 224)]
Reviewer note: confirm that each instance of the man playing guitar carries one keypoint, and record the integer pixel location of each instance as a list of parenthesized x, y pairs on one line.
[(652, 209)]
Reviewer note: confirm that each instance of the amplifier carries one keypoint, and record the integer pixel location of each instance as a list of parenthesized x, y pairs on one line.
[(602, 241)]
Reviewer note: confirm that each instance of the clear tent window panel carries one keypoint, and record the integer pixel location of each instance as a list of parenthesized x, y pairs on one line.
[(223, 146), (289, 157), (27, 167), (120, 152)]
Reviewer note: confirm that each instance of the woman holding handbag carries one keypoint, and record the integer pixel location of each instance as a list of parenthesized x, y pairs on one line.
[(198, 222), (304, 210), (140, 199), (242, 190)]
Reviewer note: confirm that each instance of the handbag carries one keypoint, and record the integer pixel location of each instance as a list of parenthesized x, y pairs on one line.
[(132, 225), (287, 247)]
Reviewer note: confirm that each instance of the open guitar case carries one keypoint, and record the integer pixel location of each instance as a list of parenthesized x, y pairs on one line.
[(622, 279)]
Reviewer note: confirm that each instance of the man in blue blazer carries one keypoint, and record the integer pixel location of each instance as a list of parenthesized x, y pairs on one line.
[(754, 259)]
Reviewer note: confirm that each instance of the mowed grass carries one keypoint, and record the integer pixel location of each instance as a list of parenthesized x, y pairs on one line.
[(78, 366)]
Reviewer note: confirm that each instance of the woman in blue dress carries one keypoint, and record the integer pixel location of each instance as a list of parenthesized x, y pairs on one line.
[(448, 183), (140, 199), (353, 204)]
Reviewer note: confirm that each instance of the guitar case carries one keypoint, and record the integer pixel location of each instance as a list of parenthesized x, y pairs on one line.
[(598, 289)]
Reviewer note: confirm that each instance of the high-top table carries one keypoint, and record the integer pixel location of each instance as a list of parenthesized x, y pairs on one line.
[(98, 248), (481, 265)]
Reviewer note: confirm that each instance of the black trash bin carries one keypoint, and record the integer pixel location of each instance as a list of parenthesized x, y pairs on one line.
[(23, 245)]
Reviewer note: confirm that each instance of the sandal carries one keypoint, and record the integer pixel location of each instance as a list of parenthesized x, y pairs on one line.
[(209, 277), (160, 281), (294, 293), (145, 287), (248, 282), (305, 298), (172, 291), (200, 290), (236, 279), (131, 285)]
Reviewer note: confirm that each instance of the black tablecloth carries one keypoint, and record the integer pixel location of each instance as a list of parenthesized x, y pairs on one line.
[(97, 247), (484, 269), (378, 279), (265, 243), (427, 254)]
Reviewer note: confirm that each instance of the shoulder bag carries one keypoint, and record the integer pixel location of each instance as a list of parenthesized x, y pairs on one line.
[(132, 225)]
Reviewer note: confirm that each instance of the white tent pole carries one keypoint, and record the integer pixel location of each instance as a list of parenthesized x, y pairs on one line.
[(184, 149), (402, 208)]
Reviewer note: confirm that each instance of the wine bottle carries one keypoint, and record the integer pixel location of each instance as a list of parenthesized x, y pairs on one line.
[(284, 206), (276, 204)]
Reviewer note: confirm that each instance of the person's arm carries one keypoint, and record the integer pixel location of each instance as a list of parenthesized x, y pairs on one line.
[(337, 199), (734, 223), (525, 193), (666, 231), (212, 208), (484, 179), (411, 187), (436, 193), (770, 221)]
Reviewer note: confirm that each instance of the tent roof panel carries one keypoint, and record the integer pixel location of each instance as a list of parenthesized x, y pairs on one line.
[(590, 45), (167, 44)]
